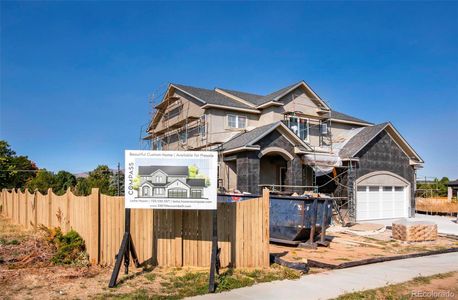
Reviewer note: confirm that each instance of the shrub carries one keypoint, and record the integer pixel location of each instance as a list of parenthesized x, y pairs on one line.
[(70, 247)]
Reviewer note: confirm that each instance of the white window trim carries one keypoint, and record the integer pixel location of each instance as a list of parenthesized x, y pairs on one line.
[(159, 189), (302, 118), (321, 128), (237, 117)]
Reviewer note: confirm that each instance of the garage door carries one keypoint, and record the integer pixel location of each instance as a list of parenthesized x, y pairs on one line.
[(381, 202)]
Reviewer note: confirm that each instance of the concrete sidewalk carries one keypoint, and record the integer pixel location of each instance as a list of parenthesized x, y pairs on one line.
[(331, 284)]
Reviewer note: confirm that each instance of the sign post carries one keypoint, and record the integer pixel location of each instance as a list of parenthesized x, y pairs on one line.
[(169, 180)]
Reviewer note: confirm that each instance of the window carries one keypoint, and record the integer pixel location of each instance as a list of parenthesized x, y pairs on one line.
[(173, 113), (299, 126), (399, 188), (387, 188), (196, 194), (159, 191), (157, 144), (361, 188), (184, 136), (158, 179), (177, 193), (373, 189), (145, 191), (235, 121), (203, 126), (323, 128)]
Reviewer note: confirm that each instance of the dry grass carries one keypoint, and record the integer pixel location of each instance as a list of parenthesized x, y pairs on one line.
[(436, 205), (445, 284), (40, 278)]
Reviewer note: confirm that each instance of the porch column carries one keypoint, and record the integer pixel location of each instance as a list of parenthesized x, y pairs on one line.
[(294, 175), (248, 172)]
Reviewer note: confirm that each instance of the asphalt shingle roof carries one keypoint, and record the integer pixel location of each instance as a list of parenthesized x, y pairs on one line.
[(243, 139), (345, 117), (453, 183), (276, 94), (169, 170), (360, 139), (211, 96), (253, 98)]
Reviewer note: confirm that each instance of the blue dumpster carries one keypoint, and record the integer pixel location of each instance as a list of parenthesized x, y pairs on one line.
[(290, 216)]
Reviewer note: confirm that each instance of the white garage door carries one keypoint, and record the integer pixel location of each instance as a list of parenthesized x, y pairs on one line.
[(381, 202)]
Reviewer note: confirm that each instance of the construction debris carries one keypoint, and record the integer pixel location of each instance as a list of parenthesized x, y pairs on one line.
[(414, 231)]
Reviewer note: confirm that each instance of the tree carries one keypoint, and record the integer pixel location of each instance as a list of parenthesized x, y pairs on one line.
[(82, 187), (62, 181), (114, 184), (100, 178), (15, 170), (42, 182)]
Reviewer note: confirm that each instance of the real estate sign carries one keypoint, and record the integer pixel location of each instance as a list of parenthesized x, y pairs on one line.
[(171, 179)]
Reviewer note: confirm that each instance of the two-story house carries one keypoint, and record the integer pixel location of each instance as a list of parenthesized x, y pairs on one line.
[(170, 182), (291, 141)]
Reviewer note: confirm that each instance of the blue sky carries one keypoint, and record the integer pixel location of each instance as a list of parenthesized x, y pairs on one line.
[(75, 76)]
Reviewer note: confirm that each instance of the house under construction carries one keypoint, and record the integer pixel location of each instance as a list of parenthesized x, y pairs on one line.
[(292, 142)]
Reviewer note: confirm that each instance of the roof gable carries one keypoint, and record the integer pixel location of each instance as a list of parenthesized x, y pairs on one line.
[(277, 95), (367, 134), (249, 138)]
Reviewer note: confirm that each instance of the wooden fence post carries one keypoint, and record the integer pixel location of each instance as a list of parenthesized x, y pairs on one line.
[(266, 226), (49, 196), (35, 209), (2, 202), (68, 207), (94, 248)]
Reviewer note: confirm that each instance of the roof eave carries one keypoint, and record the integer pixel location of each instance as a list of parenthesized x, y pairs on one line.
[(270, 103), (351, 122), (208, 105), (239, 149)]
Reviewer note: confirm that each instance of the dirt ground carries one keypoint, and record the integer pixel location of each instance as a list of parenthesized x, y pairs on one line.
[(347, 246), (26, 272)]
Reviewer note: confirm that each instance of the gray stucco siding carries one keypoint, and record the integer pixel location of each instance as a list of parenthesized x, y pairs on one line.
[(381, 154)]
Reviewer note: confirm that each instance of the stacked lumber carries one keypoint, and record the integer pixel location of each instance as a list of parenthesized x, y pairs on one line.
[(414, 231)]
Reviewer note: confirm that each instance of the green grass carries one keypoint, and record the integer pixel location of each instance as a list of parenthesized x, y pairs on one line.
[(6, 242), (150, 276), (190, 284)]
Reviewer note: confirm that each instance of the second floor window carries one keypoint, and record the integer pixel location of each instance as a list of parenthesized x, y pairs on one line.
[(235, 121), (157, 144), (203, 126), (184, 136), (299, 126)]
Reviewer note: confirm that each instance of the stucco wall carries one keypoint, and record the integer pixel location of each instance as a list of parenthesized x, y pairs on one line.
[(383, 154)]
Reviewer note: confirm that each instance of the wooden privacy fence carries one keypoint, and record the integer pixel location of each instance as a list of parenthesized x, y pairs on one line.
[(161, 237)]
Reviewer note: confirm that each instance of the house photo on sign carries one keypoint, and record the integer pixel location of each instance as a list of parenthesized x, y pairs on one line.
[(171, 179)]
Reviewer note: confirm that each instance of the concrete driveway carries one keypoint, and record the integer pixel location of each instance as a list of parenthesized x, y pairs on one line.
[(445, 225), (331, 284)]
